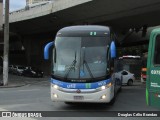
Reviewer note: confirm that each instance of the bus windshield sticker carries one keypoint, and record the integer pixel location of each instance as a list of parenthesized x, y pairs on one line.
[(61, 67)]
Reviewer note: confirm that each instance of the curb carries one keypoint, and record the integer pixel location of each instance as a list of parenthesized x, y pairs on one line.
[(13, 85)]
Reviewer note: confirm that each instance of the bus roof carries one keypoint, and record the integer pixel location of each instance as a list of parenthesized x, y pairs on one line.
[(84, 30), (85, 27)]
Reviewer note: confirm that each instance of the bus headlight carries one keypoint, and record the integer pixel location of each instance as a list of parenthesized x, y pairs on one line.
[(106, 86), (55, 86), (103, 87)]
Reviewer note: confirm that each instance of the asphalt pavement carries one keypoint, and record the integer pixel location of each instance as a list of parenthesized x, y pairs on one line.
[(34, 95)]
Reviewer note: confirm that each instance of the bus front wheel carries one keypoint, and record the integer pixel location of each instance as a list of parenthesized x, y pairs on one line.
[(69, 103), (113, 99)]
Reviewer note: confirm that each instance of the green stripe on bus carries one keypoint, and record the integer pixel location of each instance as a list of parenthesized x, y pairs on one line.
[(88, 85), (147, 96)]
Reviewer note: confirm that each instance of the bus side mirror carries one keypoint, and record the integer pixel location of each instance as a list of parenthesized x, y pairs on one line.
[(46, 50), (113, 49)]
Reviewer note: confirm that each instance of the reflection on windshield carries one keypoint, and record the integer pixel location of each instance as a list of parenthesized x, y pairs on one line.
[(80, 64)]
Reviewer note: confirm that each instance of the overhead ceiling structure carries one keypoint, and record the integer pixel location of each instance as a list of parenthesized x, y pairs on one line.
[(120, 14)]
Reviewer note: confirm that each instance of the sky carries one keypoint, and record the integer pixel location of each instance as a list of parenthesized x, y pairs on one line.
[(17, 4)]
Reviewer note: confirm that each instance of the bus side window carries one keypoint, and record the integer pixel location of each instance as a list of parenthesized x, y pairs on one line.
[(157, 51)]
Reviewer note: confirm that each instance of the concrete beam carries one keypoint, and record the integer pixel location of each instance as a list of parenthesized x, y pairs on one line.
[(38, 11)]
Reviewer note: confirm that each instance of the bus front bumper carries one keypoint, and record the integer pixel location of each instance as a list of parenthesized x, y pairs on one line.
[(88, 96)]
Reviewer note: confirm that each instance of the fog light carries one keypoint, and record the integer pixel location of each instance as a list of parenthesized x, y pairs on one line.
[(55, 95), (103, 97)]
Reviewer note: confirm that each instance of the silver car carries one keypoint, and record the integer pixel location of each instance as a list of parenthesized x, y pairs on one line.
[(127, 77)]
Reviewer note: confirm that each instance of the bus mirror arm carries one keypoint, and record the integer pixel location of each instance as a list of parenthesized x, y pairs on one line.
[(46, 50)]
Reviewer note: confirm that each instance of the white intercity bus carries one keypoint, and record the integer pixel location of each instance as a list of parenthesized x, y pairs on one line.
[(83, 65)]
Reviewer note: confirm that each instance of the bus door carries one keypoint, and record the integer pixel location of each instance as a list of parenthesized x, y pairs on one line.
[(153, 66)]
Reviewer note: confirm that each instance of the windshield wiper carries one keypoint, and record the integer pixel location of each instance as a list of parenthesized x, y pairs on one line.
[(71, 67), (87, 66)]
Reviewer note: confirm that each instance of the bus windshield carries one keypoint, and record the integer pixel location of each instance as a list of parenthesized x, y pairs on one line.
[(80, 58)]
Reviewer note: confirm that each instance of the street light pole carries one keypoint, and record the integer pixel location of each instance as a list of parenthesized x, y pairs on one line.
[(6, 44)]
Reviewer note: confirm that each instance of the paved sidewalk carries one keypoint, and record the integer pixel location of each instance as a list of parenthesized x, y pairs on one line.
[(13, 81), (18, 81), (11, 85)]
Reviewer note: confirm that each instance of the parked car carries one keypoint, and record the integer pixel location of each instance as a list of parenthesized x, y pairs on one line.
[(127, 77), (18, 69), (11, 68), (32, 72)]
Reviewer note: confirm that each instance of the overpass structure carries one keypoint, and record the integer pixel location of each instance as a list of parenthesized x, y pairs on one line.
[(35, 26), (122, 15)]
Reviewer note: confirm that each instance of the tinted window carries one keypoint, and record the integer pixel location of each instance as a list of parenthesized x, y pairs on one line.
[(21, 67), (157, 51), (124, 73)]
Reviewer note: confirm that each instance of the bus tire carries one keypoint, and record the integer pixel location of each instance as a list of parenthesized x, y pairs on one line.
[(113, 99), (120, 89), (130, 82), (69, 103)]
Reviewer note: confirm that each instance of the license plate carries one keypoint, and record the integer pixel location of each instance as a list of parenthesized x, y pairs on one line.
[(78, 97)]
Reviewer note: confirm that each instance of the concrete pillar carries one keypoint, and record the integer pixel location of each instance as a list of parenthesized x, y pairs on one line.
[(1, 14), (34, 46), (27, 47)]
